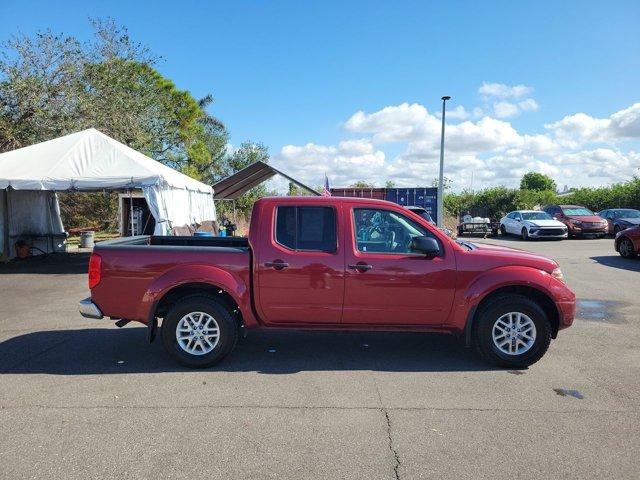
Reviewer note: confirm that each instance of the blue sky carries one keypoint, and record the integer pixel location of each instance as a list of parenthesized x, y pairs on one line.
[(293, 74)]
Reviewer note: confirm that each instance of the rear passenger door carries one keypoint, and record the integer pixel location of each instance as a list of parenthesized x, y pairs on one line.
[(299, 267)]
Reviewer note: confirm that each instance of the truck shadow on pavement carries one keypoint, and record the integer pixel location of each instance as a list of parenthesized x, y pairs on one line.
[(96, 351), (616, 261)]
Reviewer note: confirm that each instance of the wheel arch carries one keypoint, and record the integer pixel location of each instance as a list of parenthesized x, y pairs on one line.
[(539, 296), (171, 296)]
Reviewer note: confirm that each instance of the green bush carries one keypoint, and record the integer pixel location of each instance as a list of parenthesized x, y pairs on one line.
[(499, 200)]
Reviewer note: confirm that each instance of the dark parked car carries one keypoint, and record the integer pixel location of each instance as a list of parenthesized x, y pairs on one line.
[(628, 242), (620, 218), (579, 220)]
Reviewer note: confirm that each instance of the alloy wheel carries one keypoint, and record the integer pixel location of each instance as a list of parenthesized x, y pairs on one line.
[(514, 333), (197, 333)]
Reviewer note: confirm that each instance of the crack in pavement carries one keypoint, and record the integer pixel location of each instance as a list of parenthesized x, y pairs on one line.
[(395, 453)]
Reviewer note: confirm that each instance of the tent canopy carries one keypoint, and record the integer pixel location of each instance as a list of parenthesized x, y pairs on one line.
[(86, 161), (244, 180)]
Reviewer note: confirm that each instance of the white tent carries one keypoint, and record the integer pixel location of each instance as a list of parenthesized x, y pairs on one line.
[(86, 161)]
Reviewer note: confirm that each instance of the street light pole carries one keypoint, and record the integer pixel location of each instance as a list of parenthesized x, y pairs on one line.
[(440, 219)]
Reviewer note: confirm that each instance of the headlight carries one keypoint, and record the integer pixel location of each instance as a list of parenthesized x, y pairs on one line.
[(557, 274)]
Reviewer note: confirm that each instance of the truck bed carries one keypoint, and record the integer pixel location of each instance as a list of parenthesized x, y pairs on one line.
[(131, 265), (145, 241)]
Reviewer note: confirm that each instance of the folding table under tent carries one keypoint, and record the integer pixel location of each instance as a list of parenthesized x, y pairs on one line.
[(90, 161)]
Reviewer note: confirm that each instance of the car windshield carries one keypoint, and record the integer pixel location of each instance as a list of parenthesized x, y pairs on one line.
[(627, 213), (536, 216), (577, 211)]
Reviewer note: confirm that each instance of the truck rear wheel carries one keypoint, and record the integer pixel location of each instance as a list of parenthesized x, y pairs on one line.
[(511, 331), (199, 331)]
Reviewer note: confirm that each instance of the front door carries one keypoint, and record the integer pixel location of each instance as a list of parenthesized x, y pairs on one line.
[(299, 270), (386, 283)]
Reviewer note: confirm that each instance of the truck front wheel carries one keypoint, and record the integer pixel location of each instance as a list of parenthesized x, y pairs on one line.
[(199, 331), (511, 331)]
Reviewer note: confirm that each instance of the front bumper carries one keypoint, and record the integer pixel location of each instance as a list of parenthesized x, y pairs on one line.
[(582, 230), (548, 233), (88, 309)]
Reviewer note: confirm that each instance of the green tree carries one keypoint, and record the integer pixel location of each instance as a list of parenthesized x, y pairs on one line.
[(447, 183), (389, 184), (247, 154), (53, 85), (537, 181), (361, 184)]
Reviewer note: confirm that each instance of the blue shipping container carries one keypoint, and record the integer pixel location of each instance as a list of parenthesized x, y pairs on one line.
[(418, 197)]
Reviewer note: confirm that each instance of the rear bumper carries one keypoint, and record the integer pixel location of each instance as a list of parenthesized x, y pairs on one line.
[(88, 309)]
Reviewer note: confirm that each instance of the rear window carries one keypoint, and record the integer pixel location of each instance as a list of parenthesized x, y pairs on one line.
[(306, 228)]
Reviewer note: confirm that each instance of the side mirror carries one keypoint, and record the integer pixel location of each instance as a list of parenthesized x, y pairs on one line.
[(427, 245)]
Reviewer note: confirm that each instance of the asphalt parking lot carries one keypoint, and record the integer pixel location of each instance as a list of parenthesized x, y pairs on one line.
[(83, 399)]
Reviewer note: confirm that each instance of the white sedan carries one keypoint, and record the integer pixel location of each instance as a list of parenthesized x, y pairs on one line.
[(530, 224)]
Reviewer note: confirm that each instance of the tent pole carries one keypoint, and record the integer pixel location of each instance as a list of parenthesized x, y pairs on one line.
[(131, 212), (5, 248), (235, 216)]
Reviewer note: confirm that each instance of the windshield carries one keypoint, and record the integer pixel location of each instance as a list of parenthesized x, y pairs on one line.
[(577, 211), (536, 216), (627, 213)]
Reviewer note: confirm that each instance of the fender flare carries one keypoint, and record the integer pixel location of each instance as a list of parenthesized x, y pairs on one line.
[(195, 273), (495, 279)]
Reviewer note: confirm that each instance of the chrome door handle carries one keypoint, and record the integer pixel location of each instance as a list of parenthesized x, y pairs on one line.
[(361, 267), (278, 265)]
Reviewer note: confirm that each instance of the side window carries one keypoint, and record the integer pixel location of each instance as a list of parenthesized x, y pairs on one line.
[(517, 216), (607, 214), (510, 216), (385, 231), (306, 228)]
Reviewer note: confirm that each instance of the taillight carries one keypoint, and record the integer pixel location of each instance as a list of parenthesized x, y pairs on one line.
[(95, 270)]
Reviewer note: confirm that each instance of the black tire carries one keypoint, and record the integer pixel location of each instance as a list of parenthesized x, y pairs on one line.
[(616, 229), (460, 231), (487, 316), (625, 248), (503, 230), (525, 233), (228, 330)]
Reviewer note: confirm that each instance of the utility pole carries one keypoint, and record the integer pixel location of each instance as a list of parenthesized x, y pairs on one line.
[(440, 219)]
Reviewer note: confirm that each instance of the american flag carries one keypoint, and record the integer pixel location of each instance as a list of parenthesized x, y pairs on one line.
[(325, 191)]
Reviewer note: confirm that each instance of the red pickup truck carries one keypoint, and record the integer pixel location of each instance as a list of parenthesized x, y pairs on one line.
[(330, 264)]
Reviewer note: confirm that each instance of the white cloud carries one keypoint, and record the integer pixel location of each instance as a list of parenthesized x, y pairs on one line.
[(626, 123), (528, 105), (502, 91), (580, 128), (346, 163), (395, 123), (505, 109), (576, 150)]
